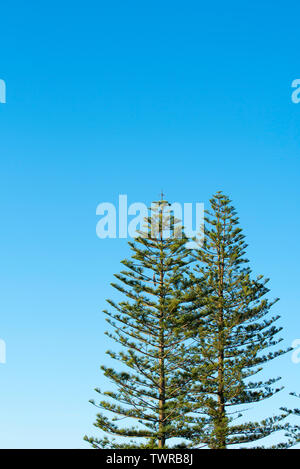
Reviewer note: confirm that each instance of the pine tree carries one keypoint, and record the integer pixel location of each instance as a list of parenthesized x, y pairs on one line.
[(296, 429), (152, 326), (293, 430), (232, 340)]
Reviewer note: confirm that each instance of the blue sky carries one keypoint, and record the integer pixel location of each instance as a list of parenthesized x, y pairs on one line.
[(109, 98)]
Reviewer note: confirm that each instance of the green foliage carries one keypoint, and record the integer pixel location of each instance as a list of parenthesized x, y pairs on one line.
[(232, 337), (151, 326), (293, 431), (194, 330)]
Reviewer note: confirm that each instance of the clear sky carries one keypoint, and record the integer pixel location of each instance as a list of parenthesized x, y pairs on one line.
[(109, 98)]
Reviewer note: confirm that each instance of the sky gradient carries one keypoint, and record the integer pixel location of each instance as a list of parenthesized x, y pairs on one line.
[(109, 98)]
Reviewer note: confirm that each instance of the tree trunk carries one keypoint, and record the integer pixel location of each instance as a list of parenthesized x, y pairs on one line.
[(221, 420), (162, 389)]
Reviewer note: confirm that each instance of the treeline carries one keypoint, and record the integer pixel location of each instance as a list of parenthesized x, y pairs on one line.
[(193, 332)]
